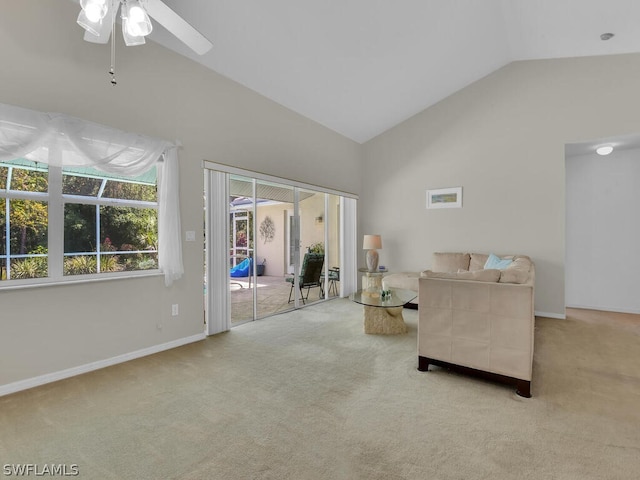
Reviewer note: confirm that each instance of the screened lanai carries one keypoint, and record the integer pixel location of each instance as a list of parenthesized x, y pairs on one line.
[(279, 225), (261, 229)]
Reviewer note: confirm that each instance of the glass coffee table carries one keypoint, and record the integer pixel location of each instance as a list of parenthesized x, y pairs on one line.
[(383, 315)]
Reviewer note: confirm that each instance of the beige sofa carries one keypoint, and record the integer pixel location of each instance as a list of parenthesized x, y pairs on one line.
[(473, 319)]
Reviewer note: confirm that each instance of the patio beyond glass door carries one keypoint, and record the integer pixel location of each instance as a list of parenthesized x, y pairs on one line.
[(312, 252), (271, 247), (273, 201), (260, 232), (241, 249)]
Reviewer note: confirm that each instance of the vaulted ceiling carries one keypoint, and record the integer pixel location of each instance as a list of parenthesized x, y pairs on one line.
[(359, 67)]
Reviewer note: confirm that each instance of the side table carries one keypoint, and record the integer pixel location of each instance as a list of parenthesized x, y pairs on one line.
[(372, 281), (383, 316)]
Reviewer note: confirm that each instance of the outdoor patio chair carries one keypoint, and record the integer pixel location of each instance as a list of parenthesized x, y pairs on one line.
[(334, 278), (310, 275)]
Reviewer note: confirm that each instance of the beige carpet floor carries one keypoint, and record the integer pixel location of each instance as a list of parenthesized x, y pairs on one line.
[(307, 395)]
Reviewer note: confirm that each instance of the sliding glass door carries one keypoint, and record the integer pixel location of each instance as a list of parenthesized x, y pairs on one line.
[(279, 243), (272, 202), (242, 251)]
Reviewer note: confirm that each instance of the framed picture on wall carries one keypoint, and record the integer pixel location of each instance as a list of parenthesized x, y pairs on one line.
[(445, 198)]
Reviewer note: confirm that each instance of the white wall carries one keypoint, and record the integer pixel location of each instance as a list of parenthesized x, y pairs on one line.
[(50, 68), (602, 261), (502, 139), (273, 251), (310, 231)]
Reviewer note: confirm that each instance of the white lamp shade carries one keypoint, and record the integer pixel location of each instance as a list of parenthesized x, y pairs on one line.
[(130, 40), (138, 22), (372, 242), (95, 10), (90, 26)]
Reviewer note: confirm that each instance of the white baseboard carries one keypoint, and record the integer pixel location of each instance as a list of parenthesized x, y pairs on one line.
[(560, 316), (605, 309), (71, 372)]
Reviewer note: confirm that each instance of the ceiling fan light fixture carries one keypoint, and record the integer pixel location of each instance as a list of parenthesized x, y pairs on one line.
[(138, 22), (130, 40), (90, 26), (94, 10)]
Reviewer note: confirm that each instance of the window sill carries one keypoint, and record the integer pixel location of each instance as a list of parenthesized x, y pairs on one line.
[(74, 280)]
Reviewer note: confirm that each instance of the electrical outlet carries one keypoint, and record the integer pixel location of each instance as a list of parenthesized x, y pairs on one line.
[(190, 236), (174, 310)]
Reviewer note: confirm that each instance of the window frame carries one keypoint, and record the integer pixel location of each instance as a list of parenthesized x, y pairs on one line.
[(56, 201)]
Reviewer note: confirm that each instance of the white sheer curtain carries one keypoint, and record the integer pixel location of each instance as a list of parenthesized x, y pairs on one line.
[(33, 135)]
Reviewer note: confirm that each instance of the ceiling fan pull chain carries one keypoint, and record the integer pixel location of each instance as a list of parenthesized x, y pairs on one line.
[(112, 70)]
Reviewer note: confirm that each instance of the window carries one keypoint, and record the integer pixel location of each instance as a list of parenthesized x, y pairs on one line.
[(60, 222), (96, 188)]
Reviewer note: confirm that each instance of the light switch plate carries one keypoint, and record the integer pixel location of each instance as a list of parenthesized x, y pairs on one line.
[(190, 236)]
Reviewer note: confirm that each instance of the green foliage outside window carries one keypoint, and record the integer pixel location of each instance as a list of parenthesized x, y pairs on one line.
[(122, 229), (34, 267)]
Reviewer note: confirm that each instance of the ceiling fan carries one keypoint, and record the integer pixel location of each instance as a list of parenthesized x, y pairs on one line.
[(98, 18)]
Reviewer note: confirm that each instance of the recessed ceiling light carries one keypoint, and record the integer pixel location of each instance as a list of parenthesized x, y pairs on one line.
[(604, 150), (606, 36)]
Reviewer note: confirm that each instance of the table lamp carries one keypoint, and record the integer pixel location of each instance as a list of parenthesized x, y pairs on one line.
[(371, 244)]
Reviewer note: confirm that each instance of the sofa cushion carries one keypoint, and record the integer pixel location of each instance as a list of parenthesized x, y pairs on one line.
[(496, 262), (477, 261), (490, 275), (518, 271), (450, 262), (405, 280)]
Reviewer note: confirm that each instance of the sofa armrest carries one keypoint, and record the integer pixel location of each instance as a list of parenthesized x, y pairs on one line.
[(480, 325)]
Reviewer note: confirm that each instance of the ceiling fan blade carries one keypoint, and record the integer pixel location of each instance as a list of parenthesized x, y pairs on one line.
[(104, 32), (178, 26)]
